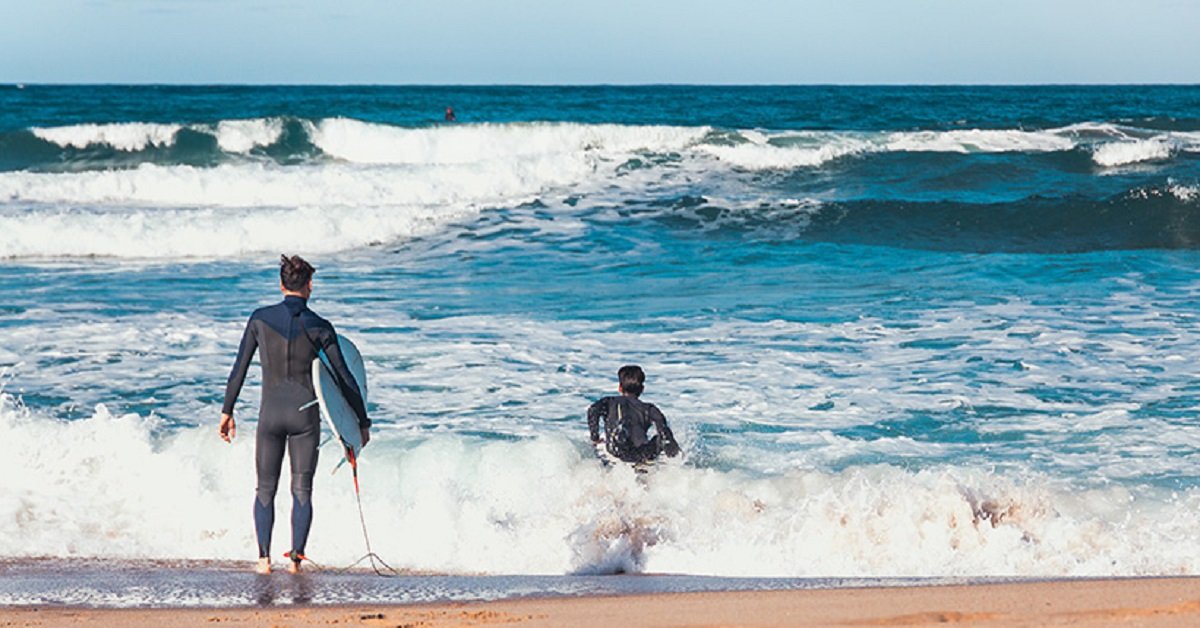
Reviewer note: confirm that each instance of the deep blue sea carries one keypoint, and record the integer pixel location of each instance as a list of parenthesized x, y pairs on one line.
[(899, 331)]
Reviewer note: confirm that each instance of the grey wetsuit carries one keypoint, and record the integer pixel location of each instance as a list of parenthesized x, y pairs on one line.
[(288, 335)]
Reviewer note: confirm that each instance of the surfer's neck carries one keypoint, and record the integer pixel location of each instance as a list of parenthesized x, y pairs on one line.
[(295, 302), (302, 293)]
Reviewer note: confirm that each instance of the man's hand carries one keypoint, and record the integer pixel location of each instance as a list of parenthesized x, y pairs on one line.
[(228, 427), (366, 435)]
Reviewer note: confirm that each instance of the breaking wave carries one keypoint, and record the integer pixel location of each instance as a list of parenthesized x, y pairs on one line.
[(234, 136), (359, 141), (129, 136), (462, 505), (246, 185)]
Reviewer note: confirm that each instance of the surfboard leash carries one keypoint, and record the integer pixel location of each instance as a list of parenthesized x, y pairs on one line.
[(362, 520), (378, 565)]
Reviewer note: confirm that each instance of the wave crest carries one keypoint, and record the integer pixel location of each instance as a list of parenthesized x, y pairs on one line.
[(1125, 153), (370, 143), (242, 136), (125, 136), (233, 136)]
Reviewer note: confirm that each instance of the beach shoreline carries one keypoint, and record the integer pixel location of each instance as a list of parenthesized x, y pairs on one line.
[(1156, 601)]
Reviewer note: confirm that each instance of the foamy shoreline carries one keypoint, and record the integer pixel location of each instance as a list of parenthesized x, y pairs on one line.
[(1098, 602), (175, 584)]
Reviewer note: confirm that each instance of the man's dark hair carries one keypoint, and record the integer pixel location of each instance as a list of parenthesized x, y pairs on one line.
[(632, 379), (294, 272)]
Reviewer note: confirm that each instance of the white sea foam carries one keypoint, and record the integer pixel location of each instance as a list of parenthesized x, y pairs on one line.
[(1111, 145), (411, 180), (1185, 193), (375, 143), (241, 136), (806, 497), (978, 140), (796, 149), (233, 136), (387, 183), (111, 487), (156, 211), (364, 142), (166, 233), (1131, 152), (126, 136), (792, 150)]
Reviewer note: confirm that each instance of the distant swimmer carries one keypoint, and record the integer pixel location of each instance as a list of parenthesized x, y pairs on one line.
[(289, 334), (450, 117), (627, 419)]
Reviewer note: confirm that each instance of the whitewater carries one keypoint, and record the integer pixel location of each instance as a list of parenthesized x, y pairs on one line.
[(899, 332)]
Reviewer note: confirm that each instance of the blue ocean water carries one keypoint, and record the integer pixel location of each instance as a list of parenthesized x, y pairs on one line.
[(900, 331)]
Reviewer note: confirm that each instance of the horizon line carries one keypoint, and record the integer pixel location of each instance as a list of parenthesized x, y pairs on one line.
[(20, 84)]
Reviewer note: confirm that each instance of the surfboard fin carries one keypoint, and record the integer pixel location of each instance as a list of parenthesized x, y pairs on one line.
[(339, 465)]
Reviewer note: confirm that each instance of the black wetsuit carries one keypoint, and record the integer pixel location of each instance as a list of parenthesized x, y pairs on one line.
[(627, 420), (288, 334)]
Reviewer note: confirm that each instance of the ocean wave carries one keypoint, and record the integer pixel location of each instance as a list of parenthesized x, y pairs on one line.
[(209, 233), (1162, 217), (453, 504), (795, 149), (242, 136), (269, 185), (125, 136), (1124, 153), (978, 140), (761, 151), (411, 180), (1109, 144), (358, 141), (233, 136), (176, 211), (371, 143)]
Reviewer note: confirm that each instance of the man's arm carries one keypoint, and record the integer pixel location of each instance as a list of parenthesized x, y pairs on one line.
[(595, 412), (350, 388), (660, 425), (237, 376)]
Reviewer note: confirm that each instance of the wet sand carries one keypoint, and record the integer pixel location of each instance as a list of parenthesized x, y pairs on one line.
[(1126, 602)]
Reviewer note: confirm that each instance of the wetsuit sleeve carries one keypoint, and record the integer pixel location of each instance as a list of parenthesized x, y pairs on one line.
[(660, 425), (595, 412), (241, 365), (349, 385)]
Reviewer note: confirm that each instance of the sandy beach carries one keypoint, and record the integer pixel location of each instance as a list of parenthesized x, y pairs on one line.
[(1102, 602)]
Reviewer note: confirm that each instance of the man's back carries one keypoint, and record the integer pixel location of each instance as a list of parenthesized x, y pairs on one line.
[(291, 337), (287, 336), (627, 422)]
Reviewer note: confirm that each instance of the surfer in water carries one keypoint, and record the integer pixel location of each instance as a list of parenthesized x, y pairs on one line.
[(289, 335), (627, 419)]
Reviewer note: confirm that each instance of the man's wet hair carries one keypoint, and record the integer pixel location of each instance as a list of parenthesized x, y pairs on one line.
[(294, 272), (632, 379)]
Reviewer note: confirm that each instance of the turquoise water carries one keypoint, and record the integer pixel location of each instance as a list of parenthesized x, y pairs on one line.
[(899, 331)]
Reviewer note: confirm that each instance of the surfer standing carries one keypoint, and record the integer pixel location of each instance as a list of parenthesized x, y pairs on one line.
[(289, 335), (627, 419)]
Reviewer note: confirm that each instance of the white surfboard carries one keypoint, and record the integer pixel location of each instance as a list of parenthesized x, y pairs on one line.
[(334, 407)]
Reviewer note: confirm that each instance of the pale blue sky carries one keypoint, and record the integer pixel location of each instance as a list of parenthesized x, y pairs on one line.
[(592, 41)]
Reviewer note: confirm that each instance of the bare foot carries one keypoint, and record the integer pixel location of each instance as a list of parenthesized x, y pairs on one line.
[(263, 567), (294, 567)]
